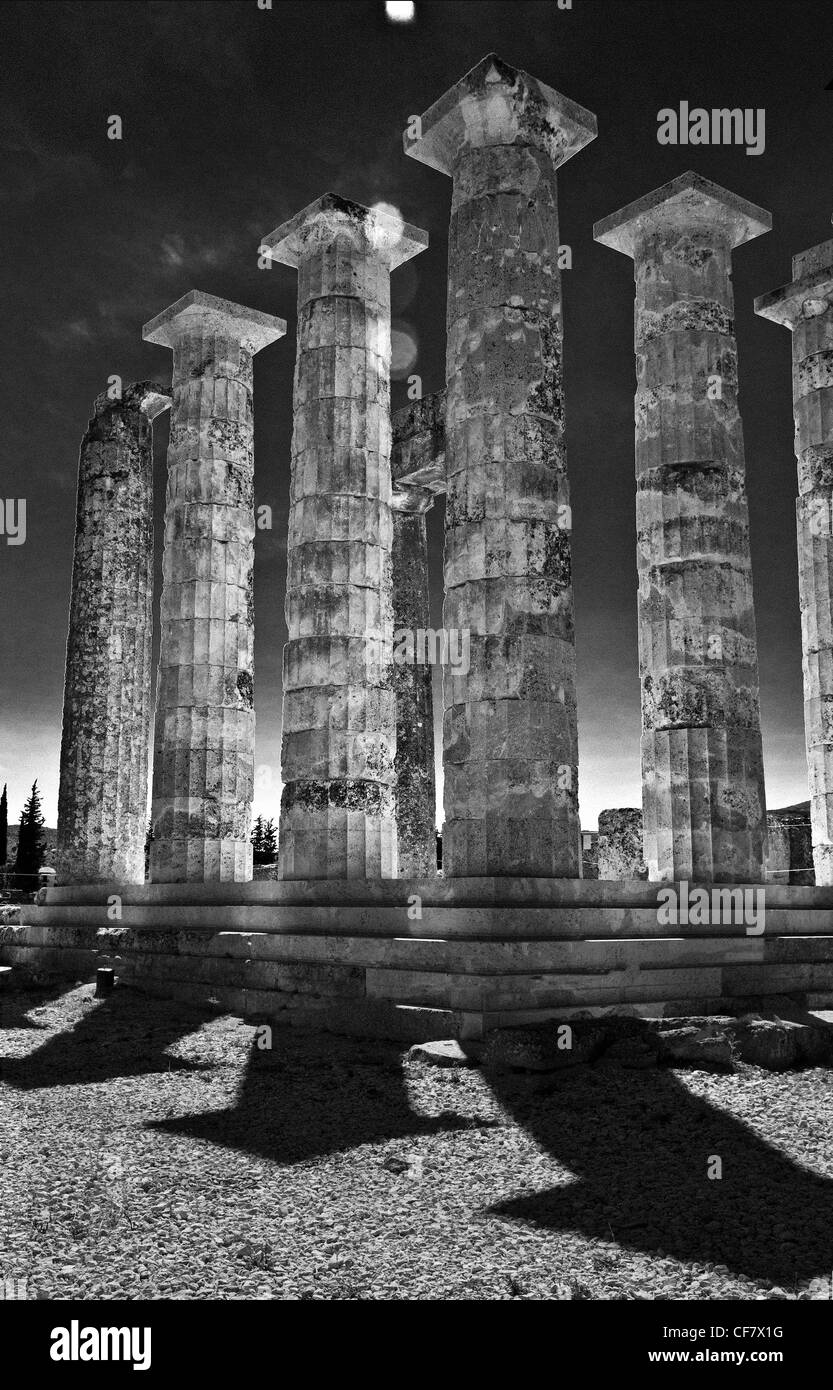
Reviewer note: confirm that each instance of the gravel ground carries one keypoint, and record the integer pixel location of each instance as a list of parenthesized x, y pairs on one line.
[(151, 1151)]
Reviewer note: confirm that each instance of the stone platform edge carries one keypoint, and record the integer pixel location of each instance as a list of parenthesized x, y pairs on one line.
[(388, 976), (435, 891)]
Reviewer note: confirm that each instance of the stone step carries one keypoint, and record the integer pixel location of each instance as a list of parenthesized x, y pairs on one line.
[(569, 922), (439, 891), (495, 956), (523, 992), (5, 976)]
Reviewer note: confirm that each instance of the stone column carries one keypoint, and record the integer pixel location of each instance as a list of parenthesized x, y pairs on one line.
[(806, 308), (509, 739), (339, 715), (418, 453), (703, 798), (102, 796), (416, 795), (203, 770)]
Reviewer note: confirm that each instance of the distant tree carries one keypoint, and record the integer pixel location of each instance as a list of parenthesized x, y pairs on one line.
[(4, 827), (257, 840), (31, 843), (264, 841), (269, 847)]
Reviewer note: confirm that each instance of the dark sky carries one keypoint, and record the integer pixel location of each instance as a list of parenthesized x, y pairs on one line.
[(235, 118)]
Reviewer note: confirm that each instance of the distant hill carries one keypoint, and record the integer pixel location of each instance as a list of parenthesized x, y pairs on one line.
[(51, 834)]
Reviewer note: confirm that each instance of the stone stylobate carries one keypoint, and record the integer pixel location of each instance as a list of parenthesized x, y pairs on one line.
[(702, 763), (102, 797), (203, 772), (806, 308), (510, 739), (339, 707)]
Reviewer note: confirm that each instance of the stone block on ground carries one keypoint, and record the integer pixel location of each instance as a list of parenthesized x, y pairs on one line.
[(442, 1054), (767, 1042), (546, 1047), (704, 1045)]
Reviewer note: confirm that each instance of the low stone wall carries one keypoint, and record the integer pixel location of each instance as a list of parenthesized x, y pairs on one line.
[(789, 857)]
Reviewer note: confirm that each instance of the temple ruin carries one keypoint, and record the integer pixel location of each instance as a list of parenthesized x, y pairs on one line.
[(359, 931)]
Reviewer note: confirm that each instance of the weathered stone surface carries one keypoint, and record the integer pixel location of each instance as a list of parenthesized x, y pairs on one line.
[(102, 796), (339, 704), (447, 1053), (768, 1043), (418, 474), (705, 1046), (262, 952), (203, 771), (806, 307), (620, 844), (413, 689), (549, 1047), (702, 763), (417, 460), (509, 743)]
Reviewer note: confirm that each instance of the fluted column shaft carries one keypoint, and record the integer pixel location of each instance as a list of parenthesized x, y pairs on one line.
[(103, 786), (806, 308), (203, 772), (704, 807), (510, 755), (339, 710), (416, 793)]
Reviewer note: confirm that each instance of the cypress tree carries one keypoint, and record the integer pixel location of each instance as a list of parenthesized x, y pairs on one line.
[(257, 841), (4, 827), (269, 843), (31, 843)]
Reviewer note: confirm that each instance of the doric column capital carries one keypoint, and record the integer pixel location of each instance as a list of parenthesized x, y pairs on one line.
[(148, 396), (154, 400), (412, 501), (372, 230), (810, 292), (497, 104), (197, 312), (687, 204)]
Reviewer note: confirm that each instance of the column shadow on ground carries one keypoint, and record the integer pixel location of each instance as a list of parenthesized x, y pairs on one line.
[(16, 1005), (316, 1094), (639, 1144), (126, 1034)]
